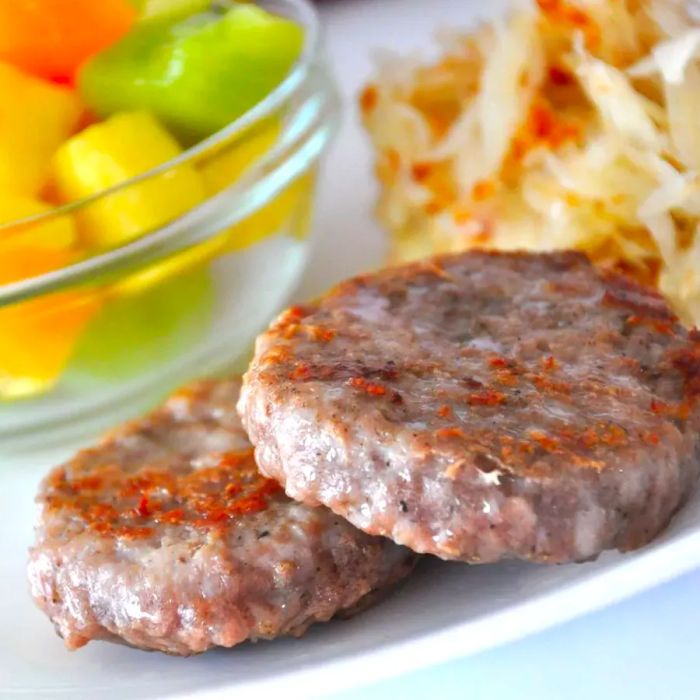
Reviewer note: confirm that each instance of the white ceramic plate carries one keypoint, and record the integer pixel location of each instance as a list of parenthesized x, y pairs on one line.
[(442, 612)]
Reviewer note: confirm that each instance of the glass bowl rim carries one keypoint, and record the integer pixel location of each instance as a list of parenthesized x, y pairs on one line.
[(307, 16)]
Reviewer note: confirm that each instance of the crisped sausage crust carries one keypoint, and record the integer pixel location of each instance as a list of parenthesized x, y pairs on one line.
[(165, 536), (483, 405)]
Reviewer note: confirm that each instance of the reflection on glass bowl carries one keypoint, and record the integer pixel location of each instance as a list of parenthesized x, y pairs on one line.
[(92, 340)]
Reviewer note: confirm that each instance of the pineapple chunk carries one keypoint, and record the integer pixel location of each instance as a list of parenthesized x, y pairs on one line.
[(290, 211), (57, 233), (111, 152), (35, 118), (197, 256), (226, 167), (223, 169), (37, 337)]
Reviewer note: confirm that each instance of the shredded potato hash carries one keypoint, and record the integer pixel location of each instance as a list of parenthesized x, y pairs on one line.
[(569, 124)]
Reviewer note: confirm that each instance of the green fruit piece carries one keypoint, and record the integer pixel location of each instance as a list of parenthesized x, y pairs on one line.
[(138, 333), (195, 73)]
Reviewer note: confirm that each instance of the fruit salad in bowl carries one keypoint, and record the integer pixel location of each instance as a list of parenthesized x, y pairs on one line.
[(157, 169)]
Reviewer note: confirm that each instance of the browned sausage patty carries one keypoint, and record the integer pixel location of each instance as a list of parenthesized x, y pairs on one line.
[(165, 536), (483, 405)]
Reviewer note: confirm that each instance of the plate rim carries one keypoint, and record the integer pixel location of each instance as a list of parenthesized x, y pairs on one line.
[(621, 581)]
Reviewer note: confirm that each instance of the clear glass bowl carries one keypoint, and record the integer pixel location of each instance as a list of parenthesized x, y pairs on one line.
[(89, 343)]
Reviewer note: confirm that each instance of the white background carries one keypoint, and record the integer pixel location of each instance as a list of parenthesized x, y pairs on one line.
[(645, 648)]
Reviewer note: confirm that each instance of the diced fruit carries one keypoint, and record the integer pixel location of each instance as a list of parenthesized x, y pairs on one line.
[(111, 152), (35, 118), (31, 261), (137, 332), (290, 208), (223, 170), (177, 264), (195, 73), (38, 336), (52, 38), (301, 217), (58, 232), (37, 339), (218, 172)]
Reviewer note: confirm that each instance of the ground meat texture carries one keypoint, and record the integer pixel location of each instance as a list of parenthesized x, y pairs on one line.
[(483, 406), (165, 536)]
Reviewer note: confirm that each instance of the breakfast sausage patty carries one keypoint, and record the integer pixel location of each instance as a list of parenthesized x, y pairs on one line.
[(165, 536), (483, 405)]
